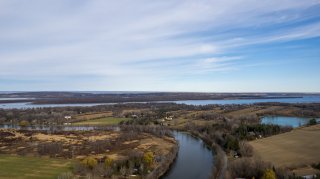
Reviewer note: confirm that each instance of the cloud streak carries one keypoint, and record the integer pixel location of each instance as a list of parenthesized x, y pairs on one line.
[(113, 41)]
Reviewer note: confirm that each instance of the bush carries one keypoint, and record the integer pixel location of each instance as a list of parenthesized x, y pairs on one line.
[(90, 162), (316, 166), (52, 149), (269, 174), (148, 158), (24, 123), (245, 149), (312, 122), (248, 168), (108, 162)]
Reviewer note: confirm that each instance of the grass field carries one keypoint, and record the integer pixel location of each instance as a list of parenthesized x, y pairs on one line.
[(297, 148), (102, 121), (88, 116), (32, 167)]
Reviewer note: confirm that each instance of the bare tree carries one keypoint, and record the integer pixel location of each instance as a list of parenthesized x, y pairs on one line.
[(246, 149)]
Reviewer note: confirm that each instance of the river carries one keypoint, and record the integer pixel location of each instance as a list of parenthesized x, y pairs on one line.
[(194, 160)]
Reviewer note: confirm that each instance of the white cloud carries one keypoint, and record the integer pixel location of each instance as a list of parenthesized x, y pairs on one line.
[(102, 38)]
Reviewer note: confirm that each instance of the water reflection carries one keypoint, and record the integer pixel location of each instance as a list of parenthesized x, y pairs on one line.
[(285, 121), (194, 159)]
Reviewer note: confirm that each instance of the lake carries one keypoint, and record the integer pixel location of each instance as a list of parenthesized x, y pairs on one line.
[(285, 121), (305, 99), (194, 160), (29, 105)]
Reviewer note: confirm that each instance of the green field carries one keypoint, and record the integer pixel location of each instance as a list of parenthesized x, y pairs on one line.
[(12, 166), (102, 121)]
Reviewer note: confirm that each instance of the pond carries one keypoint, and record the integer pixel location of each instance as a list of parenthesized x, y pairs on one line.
[(194, 160), (285, 121)]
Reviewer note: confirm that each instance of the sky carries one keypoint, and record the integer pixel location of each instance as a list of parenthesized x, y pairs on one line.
[(161, 45)]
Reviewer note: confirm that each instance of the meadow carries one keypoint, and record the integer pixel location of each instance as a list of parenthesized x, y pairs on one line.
[(295, 149), (12, 166)]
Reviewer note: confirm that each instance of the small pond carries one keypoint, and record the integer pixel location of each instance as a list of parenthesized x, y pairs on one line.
[(285, 121)]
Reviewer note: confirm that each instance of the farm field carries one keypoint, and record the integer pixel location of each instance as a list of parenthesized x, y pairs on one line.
[(102, 121), (294, 149), (12, 166)]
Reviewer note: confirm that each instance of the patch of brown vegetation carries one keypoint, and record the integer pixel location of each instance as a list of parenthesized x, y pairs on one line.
[(88, 116), (295, 149)]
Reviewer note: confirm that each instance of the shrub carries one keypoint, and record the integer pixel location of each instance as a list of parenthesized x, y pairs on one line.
[(269, 174), (312, 122), (316, 166), (247, 168), (148, 158), (245, 149), (108, 162), (24, 123), (90, 162), (52, 148)]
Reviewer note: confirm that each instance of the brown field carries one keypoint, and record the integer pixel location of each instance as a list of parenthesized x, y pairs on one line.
[(295, 149), (13, 142), (75, 146)]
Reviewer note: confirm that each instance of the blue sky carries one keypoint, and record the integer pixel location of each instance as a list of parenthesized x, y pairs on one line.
[(167, 45)]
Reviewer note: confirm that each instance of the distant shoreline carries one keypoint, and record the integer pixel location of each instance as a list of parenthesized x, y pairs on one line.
[(89, 98)]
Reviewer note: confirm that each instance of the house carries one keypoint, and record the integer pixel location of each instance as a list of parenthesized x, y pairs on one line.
[(309, 176), (67, 117), (169, 118)]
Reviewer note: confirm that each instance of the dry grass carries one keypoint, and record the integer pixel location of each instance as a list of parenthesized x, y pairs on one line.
[(102, 121), (294, 149), (305, 171), (88, 116), (12, 166)]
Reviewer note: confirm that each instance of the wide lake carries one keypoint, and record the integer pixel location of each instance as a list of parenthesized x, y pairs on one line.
[(305, 99)]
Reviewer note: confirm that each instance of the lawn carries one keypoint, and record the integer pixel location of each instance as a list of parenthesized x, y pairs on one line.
[(102, 121), (12, 166)]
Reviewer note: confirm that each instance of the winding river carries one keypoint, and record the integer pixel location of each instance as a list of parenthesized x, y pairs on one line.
[(194, 160)]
